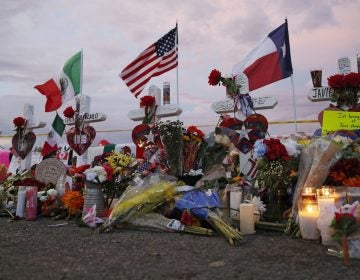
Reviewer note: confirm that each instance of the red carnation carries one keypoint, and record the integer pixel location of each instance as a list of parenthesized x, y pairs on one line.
[(19, 121), (352, 79), (109, 171), (147, 101), (69, 112), (340, 216), (214, 77)]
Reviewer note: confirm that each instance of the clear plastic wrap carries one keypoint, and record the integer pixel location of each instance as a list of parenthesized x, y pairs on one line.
[(141, 199)]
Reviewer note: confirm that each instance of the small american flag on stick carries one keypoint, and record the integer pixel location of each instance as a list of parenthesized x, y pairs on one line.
[(157, 59)]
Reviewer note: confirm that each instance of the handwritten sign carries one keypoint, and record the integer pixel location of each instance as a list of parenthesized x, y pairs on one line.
[(340, 120), (320, 94), (49, 171)]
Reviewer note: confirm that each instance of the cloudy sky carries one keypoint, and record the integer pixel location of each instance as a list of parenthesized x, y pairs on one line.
[(37, 37)]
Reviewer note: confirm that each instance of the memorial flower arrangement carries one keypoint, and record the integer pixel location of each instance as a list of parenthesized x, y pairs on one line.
[(272, 164), (172, 139), (73, 202), (99, 174), (346, 89), (48, 199), (343, 224), (193, 139), (346, 170), (215, 79)]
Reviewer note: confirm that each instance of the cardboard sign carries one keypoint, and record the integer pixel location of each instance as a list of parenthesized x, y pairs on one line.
[(344, 64), (340, 120), (50, 170)]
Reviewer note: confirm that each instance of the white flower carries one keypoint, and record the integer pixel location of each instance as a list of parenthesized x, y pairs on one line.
[(102, 178), (90, 176), (43, 198), (41, 193), (52, 192)]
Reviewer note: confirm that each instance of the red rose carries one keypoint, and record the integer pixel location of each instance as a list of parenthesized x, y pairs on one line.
[(69, 112), (109, 171), (341, 216), (214, 77), (336, 81), (275, 149), (147, 101), (19, 121), (352, 79)]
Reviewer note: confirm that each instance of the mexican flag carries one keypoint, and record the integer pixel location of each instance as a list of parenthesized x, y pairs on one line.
[(66, 86)]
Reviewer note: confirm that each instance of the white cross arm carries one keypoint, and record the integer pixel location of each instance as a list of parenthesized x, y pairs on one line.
[(34, 125), (260, 103), (89, 118), (320, 94), (167, 110)]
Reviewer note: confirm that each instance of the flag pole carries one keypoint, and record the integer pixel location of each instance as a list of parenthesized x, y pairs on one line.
[(294, 103), (81, 76), (177, 67)]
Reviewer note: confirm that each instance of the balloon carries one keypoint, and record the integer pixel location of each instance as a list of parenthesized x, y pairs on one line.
[(103, 142)]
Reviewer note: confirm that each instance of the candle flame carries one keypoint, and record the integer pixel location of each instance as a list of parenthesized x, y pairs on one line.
[(309, 208)]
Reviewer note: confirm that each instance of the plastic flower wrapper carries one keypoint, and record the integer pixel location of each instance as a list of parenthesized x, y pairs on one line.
[(90, 217), (140, 199), (157, 221), (325, 155), (205, 205)]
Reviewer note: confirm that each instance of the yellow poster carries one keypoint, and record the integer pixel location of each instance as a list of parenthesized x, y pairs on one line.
[(340, 120)]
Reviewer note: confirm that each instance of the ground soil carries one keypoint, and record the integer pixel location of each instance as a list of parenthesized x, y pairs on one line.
[(40, 250)]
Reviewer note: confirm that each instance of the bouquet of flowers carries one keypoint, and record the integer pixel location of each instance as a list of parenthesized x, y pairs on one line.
[(346, 89), (193, 139), (343, 224), (272, 164), (346, 171), (139, 200), (172, 139)]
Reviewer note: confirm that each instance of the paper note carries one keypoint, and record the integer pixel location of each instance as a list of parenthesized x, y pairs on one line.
[(340, 120)]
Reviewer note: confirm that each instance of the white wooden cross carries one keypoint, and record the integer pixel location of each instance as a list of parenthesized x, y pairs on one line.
[(317, 94), (162, 111), (83, 103), (30, 126)]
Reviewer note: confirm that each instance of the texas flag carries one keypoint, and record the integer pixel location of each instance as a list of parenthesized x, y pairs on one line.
[(269, 62)]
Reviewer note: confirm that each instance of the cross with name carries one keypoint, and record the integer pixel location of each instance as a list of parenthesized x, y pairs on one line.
[(30, 126), (83, 109)]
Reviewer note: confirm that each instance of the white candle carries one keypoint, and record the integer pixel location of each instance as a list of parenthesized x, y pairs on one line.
[(327, 209), (308, 217), (21, 201), (247, 225), (235, 200)]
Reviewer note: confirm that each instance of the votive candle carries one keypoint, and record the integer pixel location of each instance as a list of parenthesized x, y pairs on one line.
[(326, 205)]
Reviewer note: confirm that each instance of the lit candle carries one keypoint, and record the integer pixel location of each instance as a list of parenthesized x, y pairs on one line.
[(247, 225), (308, 195), (327, 209), (308, 216)]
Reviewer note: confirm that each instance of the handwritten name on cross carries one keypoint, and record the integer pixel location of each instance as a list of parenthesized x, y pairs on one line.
[(31, 125), (317, 94), (83, 109)]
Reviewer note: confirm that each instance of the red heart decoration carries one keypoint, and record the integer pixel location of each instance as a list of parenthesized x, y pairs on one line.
[(23, 145), (80, 140)]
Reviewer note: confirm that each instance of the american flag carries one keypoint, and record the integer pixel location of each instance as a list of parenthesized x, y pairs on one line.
[(157, 59)]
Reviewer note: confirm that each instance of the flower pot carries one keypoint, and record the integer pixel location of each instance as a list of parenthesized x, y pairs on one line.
[(93, 195)]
